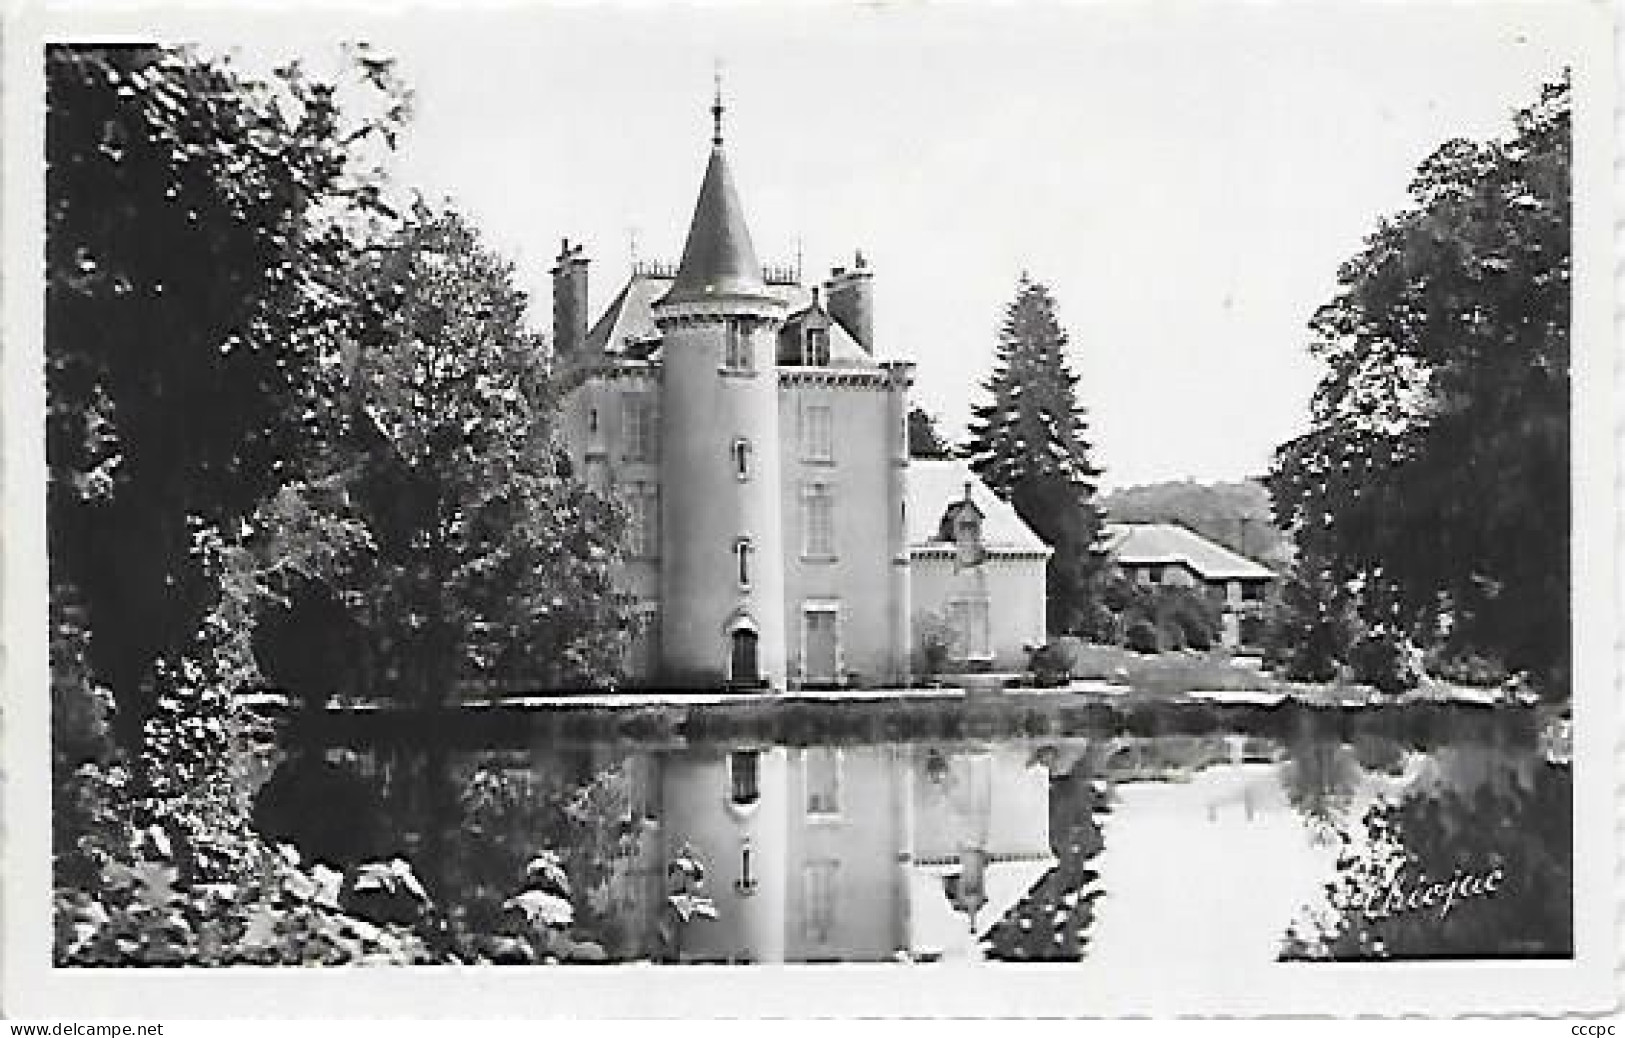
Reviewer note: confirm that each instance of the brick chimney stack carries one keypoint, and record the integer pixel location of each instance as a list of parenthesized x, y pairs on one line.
[(851, 296), (569, 301)]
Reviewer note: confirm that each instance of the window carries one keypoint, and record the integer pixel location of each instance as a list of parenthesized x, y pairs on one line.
[(817, 433), (822, 766), (746, 883), (737, 351), (970, 621), (643, 506), (744, 776), (742, 559), (815, 349), (592, 420), (818, 521), (818, 881), (1251, 591), (741, 459), (638, 426), (967, 527)]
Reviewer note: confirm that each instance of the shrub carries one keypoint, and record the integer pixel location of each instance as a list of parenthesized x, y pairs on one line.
[(1189, 617), (1467, 669), (1142, 637), (507, 814), (1384, 661), (933, 645), (1311, 627), (144, 912), (1052, 664)]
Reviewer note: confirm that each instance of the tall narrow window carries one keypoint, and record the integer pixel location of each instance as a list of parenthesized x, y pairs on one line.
[(817, 433), (638, 426), (972, 627), (744, 776), (742, 560), (823, 779), (819, 880), (818, 521), (736, 355), (741, 459), (815, 351), (643, 507)]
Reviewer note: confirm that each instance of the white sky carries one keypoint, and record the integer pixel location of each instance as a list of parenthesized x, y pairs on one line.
[(1186, 178)]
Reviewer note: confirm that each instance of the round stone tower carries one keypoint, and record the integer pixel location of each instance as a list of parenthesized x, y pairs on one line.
[(721, 550)]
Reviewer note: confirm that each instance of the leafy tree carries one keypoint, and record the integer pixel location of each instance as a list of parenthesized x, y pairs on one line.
[(1027, 443), (492, 565), (924, 441), (1435, 473), (196, 221), (1312, 627)]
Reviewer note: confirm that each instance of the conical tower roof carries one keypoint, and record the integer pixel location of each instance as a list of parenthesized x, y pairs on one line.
[(719, 260)]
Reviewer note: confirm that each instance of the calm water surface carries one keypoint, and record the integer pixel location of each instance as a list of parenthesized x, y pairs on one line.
[(1131, 857)]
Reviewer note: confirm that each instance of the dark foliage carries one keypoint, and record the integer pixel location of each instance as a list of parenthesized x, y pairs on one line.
[(1436, 468), (1028, 444), (186, 313), (924, 441)]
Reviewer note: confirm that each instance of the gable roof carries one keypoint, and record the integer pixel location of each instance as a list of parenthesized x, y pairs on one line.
[(1152, 544), (935, 485)]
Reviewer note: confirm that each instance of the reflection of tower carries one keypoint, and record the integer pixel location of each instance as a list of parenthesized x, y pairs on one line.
[(730, 807), (722, 576)]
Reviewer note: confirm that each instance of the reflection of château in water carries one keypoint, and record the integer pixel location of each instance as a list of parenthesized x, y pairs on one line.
[(844, 853)]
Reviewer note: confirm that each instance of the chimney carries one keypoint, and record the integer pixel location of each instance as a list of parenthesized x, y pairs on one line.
[(851, 296), (569, 301)]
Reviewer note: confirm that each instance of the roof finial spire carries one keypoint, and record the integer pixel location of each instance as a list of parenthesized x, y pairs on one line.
[(716, 106)]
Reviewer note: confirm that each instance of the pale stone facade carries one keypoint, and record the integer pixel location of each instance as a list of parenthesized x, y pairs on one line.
[(761, 448)]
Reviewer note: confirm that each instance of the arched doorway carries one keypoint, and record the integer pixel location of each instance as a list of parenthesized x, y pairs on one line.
[(742, 660)]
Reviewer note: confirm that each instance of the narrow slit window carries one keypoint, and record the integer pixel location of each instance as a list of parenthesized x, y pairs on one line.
[(741, 459), (742, 559)]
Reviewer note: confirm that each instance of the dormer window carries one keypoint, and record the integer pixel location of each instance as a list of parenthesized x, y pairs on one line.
[(961, 526), (967, 527), (815, 348)]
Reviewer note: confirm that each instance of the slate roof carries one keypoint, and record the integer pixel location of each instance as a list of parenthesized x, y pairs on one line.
[(1151, 544), (719, 260), (935, 485), (629, 322)]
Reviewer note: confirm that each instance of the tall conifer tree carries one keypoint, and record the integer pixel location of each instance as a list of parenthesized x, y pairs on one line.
[(1027, 442)]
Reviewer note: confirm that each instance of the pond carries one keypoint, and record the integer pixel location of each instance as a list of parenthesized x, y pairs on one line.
[(1129, 855)]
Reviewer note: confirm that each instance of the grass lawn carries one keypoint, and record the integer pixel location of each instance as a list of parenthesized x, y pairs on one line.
[(1169, 673)]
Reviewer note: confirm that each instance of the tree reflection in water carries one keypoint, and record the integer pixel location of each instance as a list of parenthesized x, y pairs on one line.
[(1321, 777), (1472, 811)]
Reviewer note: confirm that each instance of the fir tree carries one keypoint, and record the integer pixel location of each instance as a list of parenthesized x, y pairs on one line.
[(1027, 444)]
